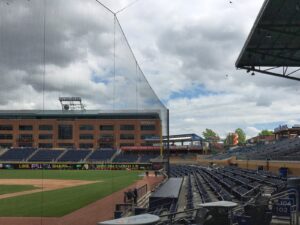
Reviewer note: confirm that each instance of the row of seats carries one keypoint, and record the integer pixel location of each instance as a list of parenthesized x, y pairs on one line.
[(224, 180), (287, 149), (180, 171), (189, 194), (258, 177), (47, 155), (74, 156), (102, 155), (126, 157), (197, 172), (202, 191), (18, 154), (241, 187), (146, 157), (217, 188), (231, 184)]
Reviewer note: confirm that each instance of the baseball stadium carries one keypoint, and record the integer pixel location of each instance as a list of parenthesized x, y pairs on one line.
[(85, 139)]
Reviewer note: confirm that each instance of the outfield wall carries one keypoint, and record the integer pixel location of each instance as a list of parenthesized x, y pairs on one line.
[(274, 166), (77, 166)]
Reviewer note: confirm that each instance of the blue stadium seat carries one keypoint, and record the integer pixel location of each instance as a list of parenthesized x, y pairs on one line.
[(124, 157), (74, 155), (101, 155), (17, 154), (45, 155)]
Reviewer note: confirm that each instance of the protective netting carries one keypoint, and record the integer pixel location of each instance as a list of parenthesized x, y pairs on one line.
[(59, 48), (63, 48)]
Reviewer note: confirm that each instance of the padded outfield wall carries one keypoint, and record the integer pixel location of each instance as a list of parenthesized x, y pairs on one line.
[(76, 166)]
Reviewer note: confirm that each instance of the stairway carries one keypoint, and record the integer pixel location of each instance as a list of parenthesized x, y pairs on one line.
[(61, 155), (29, 157), (88, 156)]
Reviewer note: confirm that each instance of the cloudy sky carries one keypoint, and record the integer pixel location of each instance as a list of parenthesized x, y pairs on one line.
[(185, 48)]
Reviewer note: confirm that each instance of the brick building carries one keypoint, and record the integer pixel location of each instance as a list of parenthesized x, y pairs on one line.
[(76, 129)]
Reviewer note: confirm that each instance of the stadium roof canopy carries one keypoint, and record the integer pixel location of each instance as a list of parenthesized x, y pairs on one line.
[(183, 137), (273, 46), (177, 138), (77, 114)]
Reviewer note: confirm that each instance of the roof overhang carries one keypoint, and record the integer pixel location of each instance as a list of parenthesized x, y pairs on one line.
[(177, 138), (273, 45), (77, 114)]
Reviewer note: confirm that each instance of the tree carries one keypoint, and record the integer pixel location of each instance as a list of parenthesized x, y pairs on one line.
[(242, 135), (265, 133), (210, 135), (231, 139), (228, 140)]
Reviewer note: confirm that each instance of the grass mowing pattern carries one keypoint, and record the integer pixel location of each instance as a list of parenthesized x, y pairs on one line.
[(64, 174), (6, 189), (61, 202)]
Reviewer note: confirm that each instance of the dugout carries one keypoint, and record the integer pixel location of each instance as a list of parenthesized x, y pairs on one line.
[(167, 195)]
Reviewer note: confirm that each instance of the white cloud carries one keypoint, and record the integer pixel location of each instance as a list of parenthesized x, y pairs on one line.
[(179, 44), (252, 131)]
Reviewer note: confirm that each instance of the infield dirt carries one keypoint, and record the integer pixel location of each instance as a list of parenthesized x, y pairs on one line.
[(100, 210)]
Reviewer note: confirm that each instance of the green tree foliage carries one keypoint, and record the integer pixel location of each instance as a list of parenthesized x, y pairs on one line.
[(242, 135), (210, 135), (228, 140), (265, 133)]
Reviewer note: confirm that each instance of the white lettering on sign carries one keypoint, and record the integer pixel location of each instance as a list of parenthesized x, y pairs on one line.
[(147, 122)]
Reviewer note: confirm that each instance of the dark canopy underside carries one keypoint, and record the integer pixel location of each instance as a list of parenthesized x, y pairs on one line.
[(273, 46)]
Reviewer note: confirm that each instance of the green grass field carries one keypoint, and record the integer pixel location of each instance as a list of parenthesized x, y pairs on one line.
[(63, 201), (6, 189)]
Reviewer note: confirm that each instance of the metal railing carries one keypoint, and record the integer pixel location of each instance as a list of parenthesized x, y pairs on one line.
[(294, 216)]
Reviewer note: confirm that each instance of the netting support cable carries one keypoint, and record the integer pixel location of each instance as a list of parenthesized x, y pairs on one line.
[(44, 84), (131, 51), (117, 22), (105, 6), (168, 143), (136, 87), (114, 50), (127, 6), (44, 53), (161, 140), (114, 85)]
